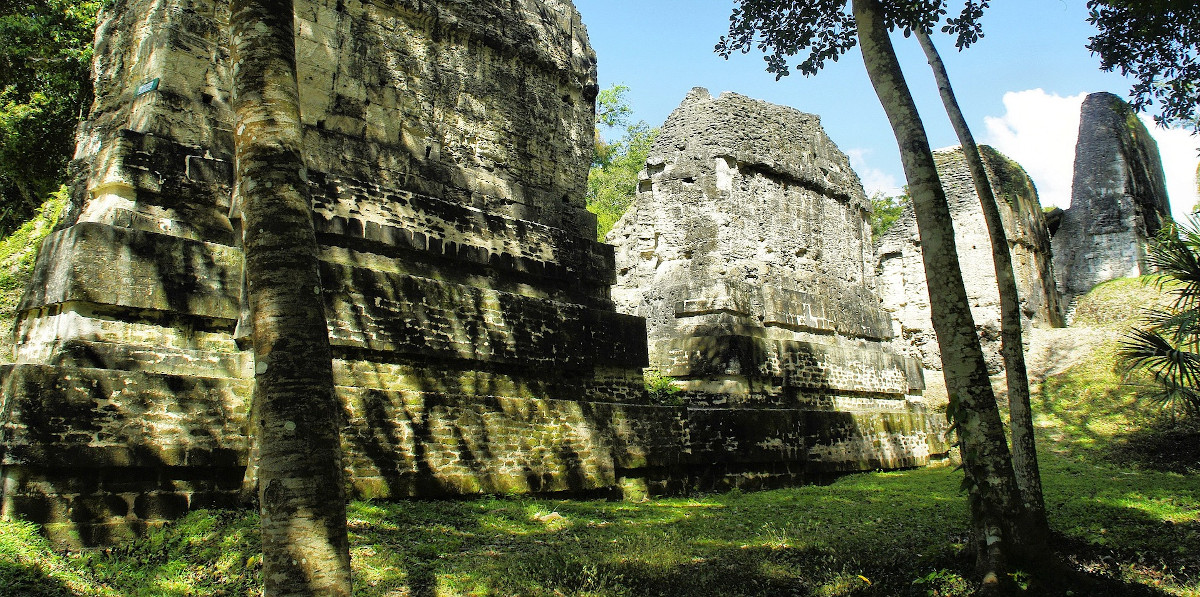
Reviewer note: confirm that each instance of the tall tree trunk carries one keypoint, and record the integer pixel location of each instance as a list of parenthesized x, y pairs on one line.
[(301, 494), (996, 508), (1024, 452)]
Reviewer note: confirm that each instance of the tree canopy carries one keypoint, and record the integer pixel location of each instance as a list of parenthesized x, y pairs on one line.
[(45, 88), (810, 33), (612, 180), (1157, 42)]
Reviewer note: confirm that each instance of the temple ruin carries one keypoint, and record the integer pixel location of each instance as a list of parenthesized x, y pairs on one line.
[(1118, 198), (476, 345), (747, 250), (902, 272)]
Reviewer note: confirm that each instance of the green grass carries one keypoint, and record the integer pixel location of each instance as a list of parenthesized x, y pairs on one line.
[(1118, 304), (894, 533)]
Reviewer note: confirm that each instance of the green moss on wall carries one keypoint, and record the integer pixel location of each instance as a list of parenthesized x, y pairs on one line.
[(18, 251), (1009, 180)]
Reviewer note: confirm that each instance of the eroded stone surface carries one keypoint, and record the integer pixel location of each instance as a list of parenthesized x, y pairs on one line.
[(748, 252), (476, 347), (902, 272), (1118, 198)]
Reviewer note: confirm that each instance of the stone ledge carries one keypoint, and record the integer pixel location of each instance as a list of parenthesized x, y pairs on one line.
[(792, 364), (412, 315), (152, 272), (65, 416)]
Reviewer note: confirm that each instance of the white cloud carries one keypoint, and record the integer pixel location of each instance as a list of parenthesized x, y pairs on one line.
[(1039, 131), (874, 180), (1179, 158)]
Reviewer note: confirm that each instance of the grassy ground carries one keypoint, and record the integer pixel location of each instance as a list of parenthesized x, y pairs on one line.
[(1120, 487), (1124, 514)]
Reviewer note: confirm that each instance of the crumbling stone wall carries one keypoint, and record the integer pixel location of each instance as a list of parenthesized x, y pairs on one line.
[(1118, 198), (747, 251), (902, 272), (476, 346)]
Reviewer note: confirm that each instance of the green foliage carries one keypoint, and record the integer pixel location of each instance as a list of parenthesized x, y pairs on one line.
[(45, 88), (945, 583), (613, 179), (1168, 346), (662, 389), (18, 251), (612, 109), (886, 211), (823, 30), (1156, 43)]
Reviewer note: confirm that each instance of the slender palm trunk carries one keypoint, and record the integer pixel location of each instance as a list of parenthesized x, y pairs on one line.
[(301, 494), (1024, 452), (995, 504)]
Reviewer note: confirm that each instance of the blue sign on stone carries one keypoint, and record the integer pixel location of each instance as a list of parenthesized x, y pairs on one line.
[(146, 87)]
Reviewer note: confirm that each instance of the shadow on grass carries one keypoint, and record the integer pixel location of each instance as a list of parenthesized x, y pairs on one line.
[(30, 580), (1167, 445), (894, 534), (898, 533)]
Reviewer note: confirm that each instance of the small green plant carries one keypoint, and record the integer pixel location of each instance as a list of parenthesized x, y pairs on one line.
[(944, 583), (18, 251), (662, 389)]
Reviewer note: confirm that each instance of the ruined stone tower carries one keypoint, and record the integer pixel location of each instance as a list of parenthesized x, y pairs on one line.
[(1118, 198), (902, 272), (747, 250), (476, 346)]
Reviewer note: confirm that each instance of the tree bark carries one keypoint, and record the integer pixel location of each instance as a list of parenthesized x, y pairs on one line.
[(1024, 451), (301, 493), (996, 507)]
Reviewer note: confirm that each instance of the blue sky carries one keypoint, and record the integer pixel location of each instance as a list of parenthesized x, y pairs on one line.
[(1020, 86)]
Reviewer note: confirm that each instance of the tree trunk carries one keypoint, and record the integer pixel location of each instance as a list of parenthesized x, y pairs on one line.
[(996, 507), (301, 494), (1024, 452)]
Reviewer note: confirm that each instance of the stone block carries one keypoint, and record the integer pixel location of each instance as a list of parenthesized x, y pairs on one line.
[(144, 271), (160, 506)]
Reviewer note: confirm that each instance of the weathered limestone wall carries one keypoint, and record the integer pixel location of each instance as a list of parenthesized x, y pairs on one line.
[(1118, 198), (747, 251), (902, 272), (476, 346)]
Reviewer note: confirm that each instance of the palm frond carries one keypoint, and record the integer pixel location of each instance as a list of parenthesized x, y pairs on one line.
[(1149, 350), (1168, 348)]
